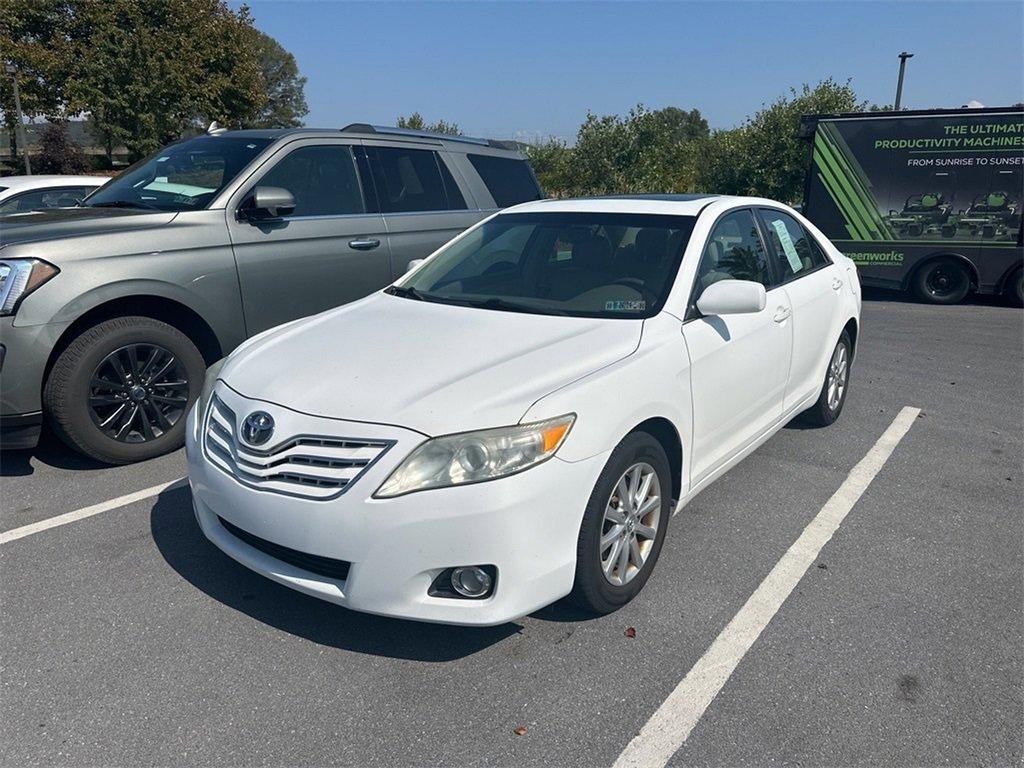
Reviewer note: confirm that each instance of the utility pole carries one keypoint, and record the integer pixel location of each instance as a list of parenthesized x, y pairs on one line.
[(899, 83), (13, 72)]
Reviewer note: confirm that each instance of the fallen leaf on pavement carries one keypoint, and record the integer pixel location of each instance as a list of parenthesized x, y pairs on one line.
[(630, 632)]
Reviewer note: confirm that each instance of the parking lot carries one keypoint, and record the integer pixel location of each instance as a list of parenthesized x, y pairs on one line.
[(130, 640)]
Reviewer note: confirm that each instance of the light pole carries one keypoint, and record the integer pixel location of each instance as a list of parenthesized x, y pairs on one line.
[(899, 83), (13, 72)]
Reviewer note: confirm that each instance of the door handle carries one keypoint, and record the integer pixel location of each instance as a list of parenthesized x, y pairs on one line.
[(782, 314), (836, 284), (364, 243)]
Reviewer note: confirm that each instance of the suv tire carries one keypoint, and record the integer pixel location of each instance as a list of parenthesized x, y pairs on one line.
[(593, 590), (151, 373)]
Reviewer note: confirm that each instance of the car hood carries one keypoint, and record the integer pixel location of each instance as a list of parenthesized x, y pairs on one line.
[(56, 223), (430, 367)]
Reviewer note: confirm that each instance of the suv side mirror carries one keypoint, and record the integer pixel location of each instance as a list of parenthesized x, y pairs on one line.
[(267, 203), (732, 297), (413, 264)]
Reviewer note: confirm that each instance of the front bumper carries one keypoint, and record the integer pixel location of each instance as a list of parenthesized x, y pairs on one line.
[(525, 525), (26, 351)]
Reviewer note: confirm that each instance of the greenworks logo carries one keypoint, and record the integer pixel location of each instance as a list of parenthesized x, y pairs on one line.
[(888, 258)]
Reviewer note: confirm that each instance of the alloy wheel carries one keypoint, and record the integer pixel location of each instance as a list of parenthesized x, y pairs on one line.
[(838, 369), (630, 523), (138, 393)]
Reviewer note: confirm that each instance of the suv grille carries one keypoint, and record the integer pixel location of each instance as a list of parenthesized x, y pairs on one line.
[(305, 465), (318, 564)]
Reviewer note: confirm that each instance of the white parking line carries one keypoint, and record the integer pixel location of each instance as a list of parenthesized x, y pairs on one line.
[(95, 509), (672, 723)]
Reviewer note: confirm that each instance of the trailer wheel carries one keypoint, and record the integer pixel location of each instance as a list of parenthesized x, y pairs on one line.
[(944, 281), (1015, 288)]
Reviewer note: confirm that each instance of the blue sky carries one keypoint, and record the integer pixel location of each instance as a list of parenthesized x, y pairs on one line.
[(506, 70)]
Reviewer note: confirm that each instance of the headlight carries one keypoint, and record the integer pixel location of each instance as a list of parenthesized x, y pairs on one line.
[(473, 457), (18, 278), (204, 396)]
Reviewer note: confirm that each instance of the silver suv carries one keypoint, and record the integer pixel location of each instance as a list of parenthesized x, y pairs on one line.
[(111, 311)]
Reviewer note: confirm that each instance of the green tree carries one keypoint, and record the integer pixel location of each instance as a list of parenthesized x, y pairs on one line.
[(764, 156), (415, 122), (284, 103)]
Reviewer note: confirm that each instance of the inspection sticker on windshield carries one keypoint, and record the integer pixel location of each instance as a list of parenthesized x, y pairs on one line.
[(625, 306), (787, 245)]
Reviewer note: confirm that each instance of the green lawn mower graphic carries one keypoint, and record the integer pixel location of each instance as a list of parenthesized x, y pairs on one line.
[(926, 213), (994, 215)]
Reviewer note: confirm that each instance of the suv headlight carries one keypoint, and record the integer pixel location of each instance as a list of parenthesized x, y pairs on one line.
[(473, 457), (18, 278)]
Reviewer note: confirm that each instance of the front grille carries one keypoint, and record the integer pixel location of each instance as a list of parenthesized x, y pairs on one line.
[(310, 466), (321, 566)]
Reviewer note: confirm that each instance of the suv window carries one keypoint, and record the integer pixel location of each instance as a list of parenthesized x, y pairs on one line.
[(734, 252), (322, 179), (413, 180), (509, 181), (796, 252)]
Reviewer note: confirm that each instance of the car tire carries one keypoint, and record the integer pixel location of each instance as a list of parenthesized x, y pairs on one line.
[(593, 590), (837, 375), (944, 281), (130, 417)]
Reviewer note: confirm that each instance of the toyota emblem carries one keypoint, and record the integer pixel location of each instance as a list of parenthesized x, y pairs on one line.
[(257, 427)]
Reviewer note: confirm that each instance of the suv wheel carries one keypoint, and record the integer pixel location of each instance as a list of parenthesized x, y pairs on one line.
[(120, 391), (623, 526)]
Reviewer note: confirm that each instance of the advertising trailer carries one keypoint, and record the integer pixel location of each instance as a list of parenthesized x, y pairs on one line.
[(927, 201)]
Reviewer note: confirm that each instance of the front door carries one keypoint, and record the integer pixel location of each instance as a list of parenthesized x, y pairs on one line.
[(328, 252), (739, 364)]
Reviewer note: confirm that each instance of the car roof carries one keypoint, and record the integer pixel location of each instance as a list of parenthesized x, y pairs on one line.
[(378, 132), (48, 180), (666, 205)]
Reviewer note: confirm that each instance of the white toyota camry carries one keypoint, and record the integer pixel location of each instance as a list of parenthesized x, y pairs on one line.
[(517, 418)]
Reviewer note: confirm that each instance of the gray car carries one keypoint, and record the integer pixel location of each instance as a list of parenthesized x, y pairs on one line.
[(111, 311)]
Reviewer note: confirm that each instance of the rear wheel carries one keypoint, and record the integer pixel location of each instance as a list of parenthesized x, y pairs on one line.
[(120, 391), (623, 526), (1015, 288), (945, 281), (833, 390)]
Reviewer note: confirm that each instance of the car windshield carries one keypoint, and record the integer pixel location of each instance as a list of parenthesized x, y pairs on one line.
[(613, 265), (182, 177)]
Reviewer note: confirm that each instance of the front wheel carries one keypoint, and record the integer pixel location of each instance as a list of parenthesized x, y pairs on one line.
[(945, 281), (624, 525), (833, 390), (120, 391)]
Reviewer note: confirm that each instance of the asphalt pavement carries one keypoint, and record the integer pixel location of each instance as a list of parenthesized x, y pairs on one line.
[(127, 639)]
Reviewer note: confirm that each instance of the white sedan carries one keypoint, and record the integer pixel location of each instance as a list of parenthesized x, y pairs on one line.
[(517, 418), (22, 194)]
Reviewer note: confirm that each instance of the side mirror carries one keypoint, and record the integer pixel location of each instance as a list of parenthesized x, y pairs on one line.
[(267, 203), (413, 264), (732, 297)]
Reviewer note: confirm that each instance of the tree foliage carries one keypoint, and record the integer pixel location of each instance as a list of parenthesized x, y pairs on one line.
[(284, 98), (146, 70), (58, 152), (415, 122)]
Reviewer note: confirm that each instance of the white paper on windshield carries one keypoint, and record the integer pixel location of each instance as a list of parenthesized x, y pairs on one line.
[(787, 245)]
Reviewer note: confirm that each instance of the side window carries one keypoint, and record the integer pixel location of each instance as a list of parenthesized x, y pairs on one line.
[(796, 252), (509, 181), (55, 197), (322, 179), (413, 180), (734, 252)]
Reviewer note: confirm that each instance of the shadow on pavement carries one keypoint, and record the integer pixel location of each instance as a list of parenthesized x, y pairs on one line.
[(902, 297), (182, 544), (50, 451)]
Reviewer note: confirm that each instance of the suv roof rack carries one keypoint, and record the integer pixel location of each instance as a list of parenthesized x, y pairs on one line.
[(385, 129)]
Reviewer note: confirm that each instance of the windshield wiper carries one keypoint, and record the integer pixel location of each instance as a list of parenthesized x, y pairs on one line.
[(123, 204), (513, 306), (406, 292)]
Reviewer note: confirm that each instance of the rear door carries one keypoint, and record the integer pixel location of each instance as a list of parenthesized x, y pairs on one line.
[(813, 284), (331, 250), (739, 363), (422, 204)]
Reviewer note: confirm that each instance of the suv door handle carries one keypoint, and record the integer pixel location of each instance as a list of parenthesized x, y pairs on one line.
[(836, 284), (782, 314), (364, 243)]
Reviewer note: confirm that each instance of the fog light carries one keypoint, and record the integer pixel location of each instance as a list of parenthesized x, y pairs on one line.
[(471, 581)]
